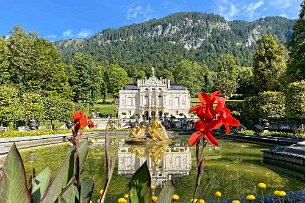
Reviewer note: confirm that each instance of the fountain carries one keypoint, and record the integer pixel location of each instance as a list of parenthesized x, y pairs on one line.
[(153, 134)]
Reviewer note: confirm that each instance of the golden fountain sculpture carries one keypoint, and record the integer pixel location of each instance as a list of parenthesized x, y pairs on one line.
[(155, 133)]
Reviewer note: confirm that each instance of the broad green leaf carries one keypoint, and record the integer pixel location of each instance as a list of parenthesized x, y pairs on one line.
[(86, 190), (65, 173), (63, 176), (13, 186), (41, 183), (82, 152), (70, 195), (166, 193), (139, 186)]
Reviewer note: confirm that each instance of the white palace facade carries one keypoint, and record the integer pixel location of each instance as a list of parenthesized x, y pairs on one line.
[(153, 96)]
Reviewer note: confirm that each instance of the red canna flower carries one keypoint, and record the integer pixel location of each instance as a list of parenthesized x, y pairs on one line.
[(80, 121), (204, 130), (211, 118), (91, 123), (77, 116)]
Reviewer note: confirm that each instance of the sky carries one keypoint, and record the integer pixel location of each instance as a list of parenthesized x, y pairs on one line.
[(64, 19)]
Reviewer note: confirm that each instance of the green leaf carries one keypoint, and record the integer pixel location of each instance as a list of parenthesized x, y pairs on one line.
[(139, 185), (82, 152), (13, 186), (87, 186), (70, 195), (41, 183), (166, 193), (63, 176), (65, 173)]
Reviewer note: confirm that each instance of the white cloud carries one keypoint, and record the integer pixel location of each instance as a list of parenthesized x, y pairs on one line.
[(84, 33), (235, 9), (284, 15), (67, 33), (51, 36), (138, 12), (281, 3), (252, 7)]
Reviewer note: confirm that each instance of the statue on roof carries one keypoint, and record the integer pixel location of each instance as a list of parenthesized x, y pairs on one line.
[(153, 71)]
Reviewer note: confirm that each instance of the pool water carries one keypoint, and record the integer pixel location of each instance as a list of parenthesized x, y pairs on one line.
[(234, 168)]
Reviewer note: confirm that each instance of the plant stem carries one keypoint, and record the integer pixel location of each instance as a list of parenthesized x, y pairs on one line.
[(263, 198), (109, 166), (77, 174), (200, 165)]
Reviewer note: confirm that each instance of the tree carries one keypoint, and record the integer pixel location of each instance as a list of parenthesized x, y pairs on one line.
[(269, 64), (4, 62), (135, 72), (295, 68), (48, 70), (245, 81), (56, 108), (35, 64), (32, 104), (116, 78), (226, 77), (10, 106), (83, 78), (295, 100), (271, 105), (191, 75)]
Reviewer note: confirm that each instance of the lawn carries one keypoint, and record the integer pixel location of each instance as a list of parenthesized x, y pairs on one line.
[(106, 108)]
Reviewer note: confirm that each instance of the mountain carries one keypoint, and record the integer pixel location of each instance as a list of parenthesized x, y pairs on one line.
[(190, 35)]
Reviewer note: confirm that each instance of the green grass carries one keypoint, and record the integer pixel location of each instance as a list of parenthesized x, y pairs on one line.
[(106, 109)]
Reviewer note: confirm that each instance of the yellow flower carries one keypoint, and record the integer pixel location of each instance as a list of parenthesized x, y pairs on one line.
[(101, 192), (201, 201), (250, 198), (218, 194), (90, 201), (282, 194), (175, 197), (235, 201), (191, 201), (262, 186), (122, 200), (126, 196), (154, 198), (276, 193), (152, 186)]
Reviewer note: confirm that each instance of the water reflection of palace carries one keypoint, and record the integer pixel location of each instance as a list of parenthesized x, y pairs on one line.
[(175, 161)]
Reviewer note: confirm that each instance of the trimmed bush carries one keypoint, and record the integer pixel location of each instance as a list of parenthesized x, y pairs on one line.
[(271, 105), (295, 100)]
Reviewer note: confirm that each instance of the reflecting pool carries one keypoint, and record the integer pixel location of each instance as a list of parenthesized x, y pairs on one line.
[(234, 168)]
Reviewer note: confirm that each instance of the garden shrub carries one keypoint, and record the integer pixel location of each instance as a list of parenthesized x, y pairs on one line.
[(271, 105), (295, 100)]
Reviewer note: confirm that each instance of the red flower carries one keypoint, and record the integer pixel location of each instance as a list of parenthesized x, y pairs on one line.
[(205, 109), (77, 116), (204, 130), (228, 120), (81, 121), (91, 124), (210, 118)]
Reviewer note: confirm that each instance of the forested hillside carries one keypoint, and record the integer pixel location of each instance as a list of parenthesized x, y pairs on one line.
[(164, 42)]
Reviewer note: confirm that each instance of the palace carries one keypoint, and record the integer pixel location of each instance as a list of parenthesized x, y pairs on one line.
[(175, 162), (153, 96)]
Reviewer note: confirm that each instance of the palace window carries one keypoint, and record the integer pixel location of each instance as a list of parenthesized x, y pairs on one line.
[(177, 101), (160, 100), (146, 101), (129, 101)]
